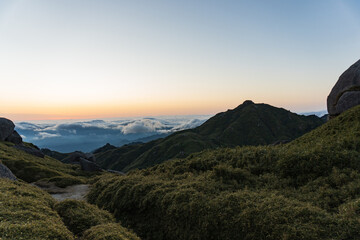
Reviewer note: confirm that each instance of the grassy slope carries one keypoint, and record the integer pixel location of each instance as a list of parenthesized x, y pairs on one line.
[(307, 189), (31, 168), (26, 213), (248, 124)]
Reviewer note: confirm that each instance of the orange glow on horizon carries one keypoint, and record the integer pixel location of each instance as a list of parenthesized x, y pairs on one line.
[(44, 112), (139, 109)]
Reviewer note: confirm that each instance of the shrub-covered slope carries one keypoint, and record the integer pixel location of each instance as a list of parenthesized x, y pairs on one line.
[(248, 124), (110, 231), (307, 189), (79, 216), (26, 213), (88, 222), (31, 168)]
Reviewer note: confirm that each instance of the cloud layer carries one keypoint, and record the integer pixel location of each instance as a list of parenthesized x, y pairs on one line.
[(67, 136)]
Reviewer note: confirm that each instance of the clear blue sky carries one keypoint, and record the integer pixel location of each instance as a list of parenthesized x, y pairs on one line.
[(79, 59)]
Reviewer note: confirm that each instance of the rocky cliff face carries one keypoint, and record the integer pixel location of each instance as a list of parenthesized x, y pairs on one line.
[(346, 92)]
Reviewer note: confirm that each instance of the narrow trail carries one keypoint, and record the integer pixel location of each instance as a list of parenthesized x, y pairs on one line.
[(77, 192)]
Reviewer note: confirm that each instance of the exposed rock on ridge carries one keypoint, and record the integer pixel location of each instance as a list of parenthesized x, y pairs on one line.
[(346, 92), (8, 134), (33, 151), (7, 130), (5, 172), (86, 161)]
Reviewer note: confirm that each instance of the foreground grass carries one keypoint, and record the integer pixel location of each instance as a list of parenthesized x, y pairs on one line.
[(308, 189), (88, 222), (79, 216), (110, 231), (26, 213)]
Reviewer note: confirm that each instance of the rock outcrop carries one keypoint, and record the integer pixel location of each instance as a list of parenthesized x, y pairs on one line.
[(8, 133), (346, 92), (14, 138), (75, 157), (33, 151), (5, 172), (86, 161), (6, 128)]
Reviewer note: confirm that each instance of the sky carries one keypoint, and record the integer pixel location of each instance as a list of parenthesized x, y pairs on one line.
[(103, 59)]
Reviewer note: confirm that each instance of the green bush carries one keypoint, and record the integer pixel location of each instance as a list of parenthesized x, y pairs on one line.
[(110, 231), (79, 216), (26, 213), (64, 181), (32, 169)]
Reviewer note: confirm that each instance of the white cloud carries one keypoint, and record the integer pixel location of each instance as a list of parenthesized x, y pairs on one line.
[(43, 135), (71, 135), (190, 124), (143, 126)]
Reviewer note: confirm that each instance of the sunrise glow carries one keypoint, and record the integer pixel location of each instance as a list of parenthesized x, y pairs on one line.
[(99, 59)]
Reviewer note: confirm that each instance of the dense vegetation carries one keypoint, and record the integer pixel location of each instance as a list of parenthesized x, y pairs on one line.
[(248, 124), (26, 213), (110, 231), (36, 169), (307, 189), (79, 216)]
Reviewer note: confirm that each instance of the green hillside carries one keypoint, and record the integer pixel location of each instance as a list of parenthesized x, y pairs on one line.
[(248, 124), (29, 213), (30, 168), (307, 189)]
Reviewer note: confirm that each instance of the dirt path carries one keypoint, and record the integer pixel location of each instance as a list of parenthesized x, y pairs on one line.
[(77, 192)]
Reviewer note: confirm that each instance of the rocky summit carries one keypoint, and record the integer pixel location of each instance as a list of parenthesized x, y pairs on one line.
[(7, 132), (346, 92)]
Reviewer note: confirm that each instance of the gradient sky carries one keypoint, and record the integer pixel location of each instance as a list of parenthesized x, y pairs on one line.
[(97, 59)]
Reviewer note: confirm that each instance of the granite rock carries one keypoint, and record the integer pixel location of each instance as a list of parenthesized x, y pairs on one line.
[(346, 92)]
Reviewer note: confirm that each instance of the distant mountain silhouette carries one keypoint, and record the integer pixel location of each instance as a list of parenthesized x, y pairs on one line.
[(248, 124)]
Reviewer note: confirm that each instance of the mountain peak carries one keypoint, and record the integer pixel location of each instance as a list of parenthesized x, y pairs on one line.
[(248, 102)]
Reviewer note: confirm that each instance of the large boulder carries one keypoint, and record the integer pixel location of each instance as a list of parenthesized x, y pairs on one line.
[(5, 172), (6, 128), (14, 138), (85, 160), (346, 92)]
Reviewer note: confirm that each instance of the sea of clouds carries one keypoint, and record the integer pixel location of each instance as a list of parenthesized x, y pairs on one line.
[(88, 135)]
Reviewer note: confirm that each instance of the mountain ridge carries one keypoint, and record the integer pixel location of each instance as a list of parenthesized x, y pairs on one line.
[(247, 124)]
